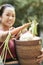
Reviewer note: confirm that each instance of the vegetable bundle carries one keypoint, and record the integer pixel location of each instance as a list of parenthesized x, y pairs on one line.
[(5, 48)]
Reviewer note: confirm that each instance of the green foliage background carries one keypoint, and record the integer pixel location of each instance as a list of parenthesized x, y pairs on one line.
[(26, 10)]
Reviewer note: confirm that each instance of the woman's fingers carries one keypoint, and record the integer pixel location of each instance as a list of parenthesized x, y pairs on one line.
[(40, 58)]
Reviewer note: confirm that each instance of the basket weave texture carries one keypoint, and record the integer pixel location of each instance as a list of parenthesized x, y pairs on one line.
[(28, 51)]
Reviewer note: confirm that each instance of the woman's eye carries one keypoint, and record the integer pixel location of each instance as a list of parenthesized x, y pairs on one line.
[(7, 14), (13, 16)]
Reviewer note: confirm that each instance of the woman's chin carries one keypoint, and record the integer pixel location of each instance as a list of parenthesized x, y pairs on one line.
[(9, 25)]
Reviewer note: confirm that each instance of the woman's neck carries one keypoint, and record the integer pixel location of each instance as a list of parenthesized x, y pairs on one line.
[(5, 27)]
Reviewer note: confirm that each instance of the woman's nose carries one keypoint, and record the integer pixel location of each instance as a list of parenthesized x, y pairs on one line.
[(10, 17)]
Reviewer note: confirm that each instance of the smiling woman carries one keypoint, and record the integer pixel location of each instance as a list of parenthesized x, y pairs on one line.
[(7, 15)]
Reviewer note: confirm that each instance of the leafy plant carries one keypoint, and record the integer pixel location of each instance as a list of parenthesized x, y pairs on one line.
[(34, 27)]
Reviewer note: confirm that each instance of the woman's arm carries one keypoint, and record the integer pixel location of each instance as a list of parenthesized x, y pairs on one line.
[(18, 29), (14, 31)]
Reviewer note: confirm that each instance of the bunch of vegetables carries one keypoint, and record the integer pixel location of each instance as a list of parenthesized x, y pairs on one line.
[(34, 27), (5, 48), (31, 34)]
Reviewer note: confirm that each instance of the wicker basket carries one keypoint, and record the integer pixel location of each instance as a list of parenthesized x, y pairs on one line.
[(28, 51)]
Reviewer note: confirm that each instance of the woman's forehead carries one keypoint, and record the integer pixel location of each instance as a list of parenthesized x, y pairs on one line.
[(9, 9)]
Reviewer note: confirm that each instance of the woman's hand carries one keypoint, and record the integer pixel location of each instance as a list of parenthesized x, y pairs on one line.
[(40, 58)]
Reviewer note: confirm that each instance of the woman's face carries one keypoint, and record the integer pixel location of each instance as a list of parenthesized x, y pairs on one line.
[(8, 16)]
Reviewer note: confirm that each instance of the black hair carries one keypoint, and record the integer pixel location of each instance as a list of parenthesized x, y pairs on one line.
[(3, 7)]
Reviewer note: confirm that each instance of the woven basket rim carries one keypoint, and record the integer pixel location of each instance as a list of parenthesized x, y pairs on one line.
[(28, 40)]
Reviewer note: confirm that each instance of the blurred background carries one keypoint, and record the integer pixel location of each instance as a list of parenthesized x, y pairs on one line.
[(28, 10)]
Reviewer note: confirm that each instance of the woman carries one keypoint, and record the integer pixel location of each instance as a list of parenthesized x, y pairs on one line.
[(7, 15)]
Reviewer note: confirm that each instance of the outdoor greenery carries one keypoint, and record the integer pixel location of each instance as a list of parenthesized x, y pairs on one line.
[(26, 10)]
